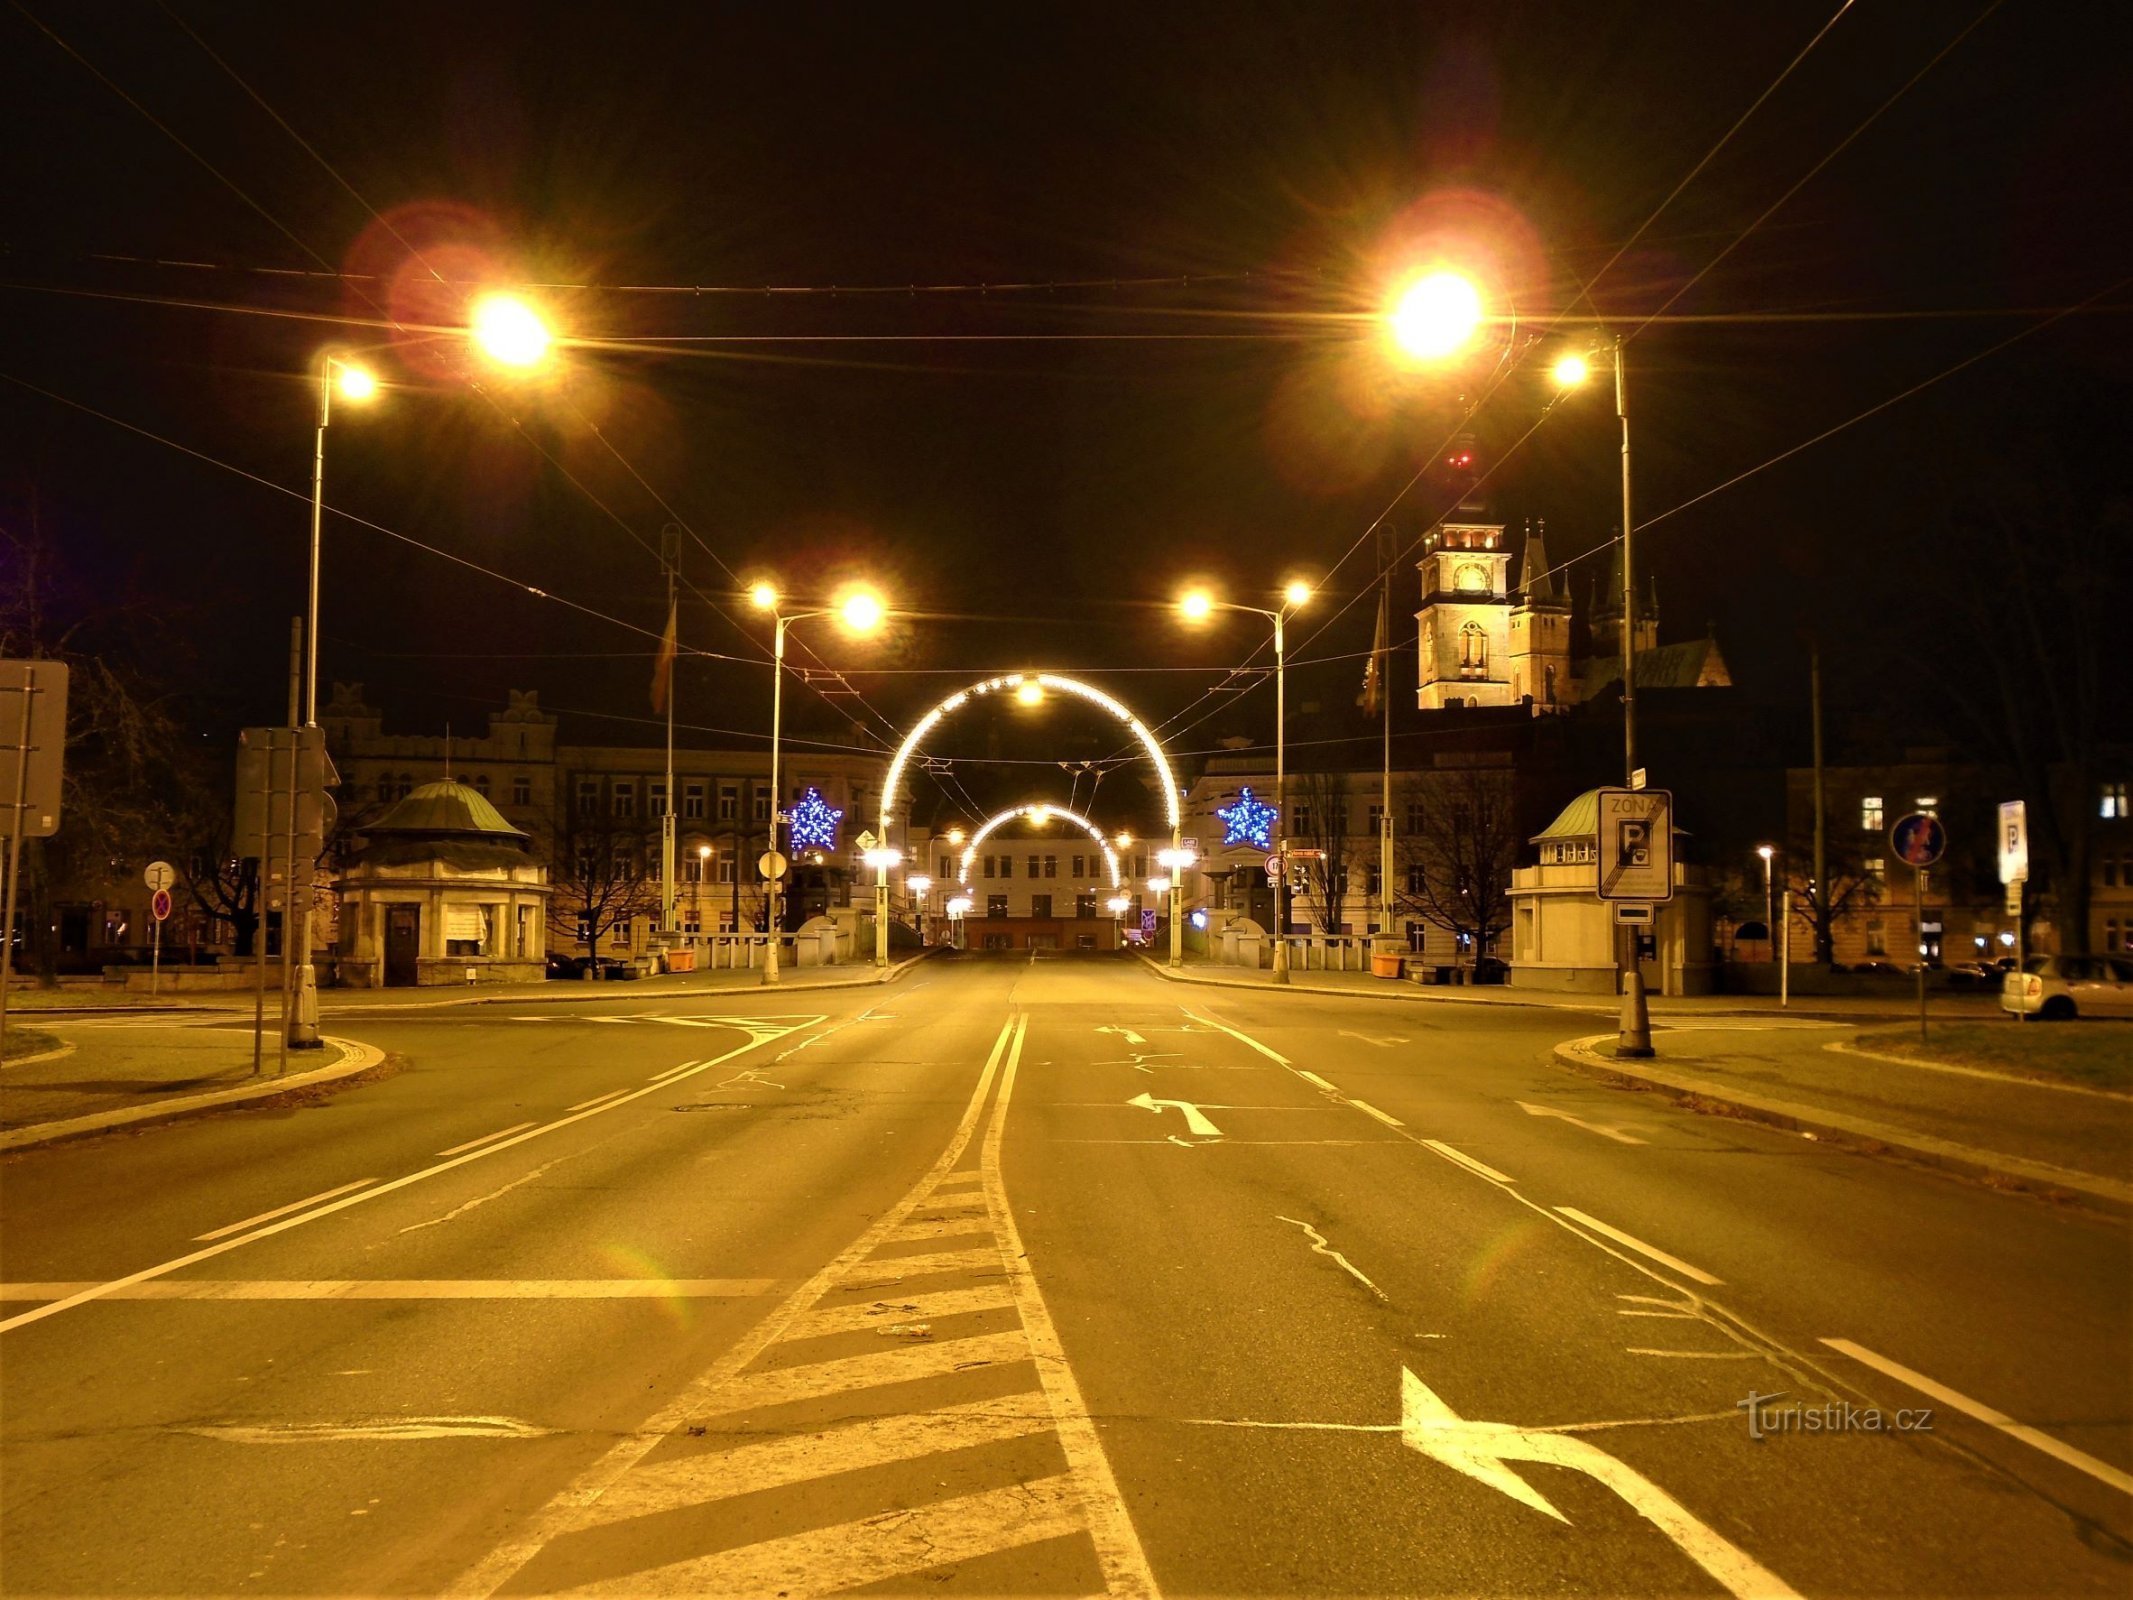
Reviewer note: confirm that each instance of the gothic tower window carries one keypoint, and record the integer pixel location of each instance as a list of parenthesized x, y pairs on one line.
[(1474, 647)]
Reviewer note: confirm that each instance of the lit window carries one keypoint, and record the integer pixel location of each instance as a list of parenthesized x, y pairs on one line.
[(1870, 814), (2112, 806), (1929, 802)]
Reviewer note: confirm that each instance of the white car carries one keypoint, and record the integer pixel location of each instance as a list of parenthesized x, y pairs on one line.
[(2070, 986)]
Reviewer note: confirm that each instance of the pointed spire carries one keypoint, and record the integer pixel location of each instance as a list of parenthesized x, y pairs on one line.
[(1536, 579)]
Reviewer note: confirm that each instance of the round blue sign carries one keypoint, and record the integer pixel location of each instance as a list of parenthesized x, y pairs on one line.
[(1919, 839)]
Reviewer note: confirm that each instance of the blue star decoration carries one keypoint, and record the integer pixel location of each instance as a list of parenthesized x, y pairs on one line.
[(814, 822), (1249, 821)]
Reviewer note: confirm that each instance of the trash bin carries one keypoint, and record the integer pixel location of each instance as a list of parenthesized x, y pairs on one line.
[(1388, 964), (681, 958)]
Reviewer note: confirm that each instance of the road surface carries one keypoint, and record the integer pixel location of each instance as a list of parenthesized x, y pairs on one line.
[(1039, 1278)]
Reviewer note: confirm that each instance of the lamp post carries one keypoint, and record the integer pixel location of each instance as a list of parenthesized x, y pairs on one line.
[(861, 613), (1197, 605), (1769, 902), (918, 886), (881, 858)]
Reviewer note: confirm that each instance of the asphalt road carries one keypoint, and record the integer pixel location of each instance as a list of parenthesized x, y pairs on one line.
[(1039, 1278)]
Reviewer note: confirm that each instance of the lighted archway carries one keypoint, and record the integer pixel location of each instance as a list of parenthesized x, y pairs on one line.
[(1014, 683), (1039, 811)]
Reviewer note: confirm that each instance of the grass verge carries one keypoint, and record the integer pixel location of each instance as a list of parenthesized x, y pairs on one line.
[(2097, 1055)]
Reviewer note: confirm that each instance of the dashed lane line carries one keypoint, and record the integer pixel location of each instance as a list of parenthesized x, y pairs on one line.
[(1630, 1241), (279, 1211), (500, 1133)]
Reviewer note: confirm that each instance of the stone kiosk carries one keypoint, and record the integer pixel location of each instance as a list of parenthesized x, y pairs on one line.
[(442, 890)]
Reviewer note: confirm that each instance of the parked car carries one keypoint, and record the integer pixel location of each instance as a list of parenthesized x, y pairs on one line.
[(1490, 970), (2060, 987), (1878, 969), (560, 966), (611, 968)]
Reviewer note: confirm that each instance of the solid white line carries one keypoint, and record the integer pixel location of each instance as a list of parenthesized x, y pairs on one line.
[(1315, 1078), (665, 1073), (280, 1211), (612, 1094), (328, 1208), (501, 1133), (1468, 1161), (413, 1289), (1241, 1038), (2037, 1438), (1118, 1546), (703, 1393), (1385, 1117), (1638, 1245)]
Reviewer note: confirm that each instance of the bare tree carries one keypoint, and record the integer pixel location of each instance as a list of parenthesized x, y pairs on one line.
[(601, 877), (1465, 849), (1318, 804)]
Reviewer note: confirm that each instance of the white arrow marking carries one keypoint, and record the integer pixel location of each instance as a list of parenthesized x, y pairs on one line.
[(1482, 1450), (1368, 1038), (1195, 1119), (1600, 1128), (1126, 1033)]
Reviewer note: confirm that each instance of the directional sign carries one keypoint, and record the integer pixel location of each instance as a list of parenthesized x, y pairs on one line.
[(866, 840), (33, 745), (1195, 1119), (160, 875), (2014, 841), (1919, 839), (1636, 844), (1484, 1451), (159, 905)]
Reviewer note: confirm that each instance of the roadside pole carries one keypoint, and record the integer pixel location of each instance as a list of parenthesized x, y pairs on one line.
[(1919, 839), (1918, 923), (18, 808), (1785, 955), (159, 877), (288, 889), (259, 902)]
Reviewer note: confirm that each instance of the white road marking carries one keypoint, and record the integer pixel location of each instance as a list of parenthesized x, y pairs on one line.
[(500, 1133), (899, 1268), (1604, 1130), (1321, 1246), (1315, 1078), (612, 1094), (392, 1428), (1118, 1546), (882, 1313), (1699, 1355), (1468, 1162), (2036, 1438), (757, 1036), (1242, 1038), (896, 1363), (1385, 1117), (1196, 1120), (1371, 1038), (667, 1074), (412, 1289), (280, 1211), (1483, 1451), (1125, 1033), (1653, 1252)]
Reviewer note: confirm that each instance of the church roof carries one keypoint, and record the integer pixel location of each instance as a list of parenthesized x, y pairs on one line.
[(445, 807), (1536, 579), (1692, 664)]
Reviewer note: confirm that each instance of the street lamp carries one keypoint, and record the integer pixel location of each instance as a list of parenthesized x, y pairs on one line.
[(1437, 315), (881, 858), (918, 885), (1769, 904), (508, 331), (1197, 605), (861, 612)]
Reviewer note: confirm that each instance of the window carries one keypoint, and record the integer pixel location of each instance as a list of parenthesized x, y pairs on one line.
[(621, 934), (692, 921), (588, 796), (401, 788), (1051, 866), (724, 865), (588, 862), (522, 790), (1084, 906), (1040, 905), (1300, 820), (1877, 939), (761, 806), (1007, 867), (1079, 868), (656, 799), (1036, 866), (1414, 877), (481, 784), (692, 801), (692, 868), (624, 803), (1414, 816), (2110, 872), (947, 872), (729, 803), (1377, 819), (1929, 802), (1140, 866), (1876, 868), (1870, 814), (1473, 649), (2115, 937), (2111, 803), (385, 787), (1372, 882), (996, 905)]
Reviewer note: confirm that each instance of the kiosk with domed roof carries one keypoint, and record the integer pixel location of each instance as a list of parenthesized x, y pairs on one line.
[(442, 890)]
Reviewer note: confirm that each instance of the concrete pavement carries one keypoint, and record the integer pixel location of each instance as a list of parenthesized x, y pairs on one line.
[(1039, 1277)]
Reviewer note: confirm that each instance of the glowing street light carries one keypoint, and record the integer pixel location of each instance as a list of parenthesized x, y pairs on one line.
[(355, 383), (1437, 315), (1196, 605), (1297, 594), (861, 612), (508, 331), (1570, 370), (1124, 839), (1030, 692), (1768, 852)]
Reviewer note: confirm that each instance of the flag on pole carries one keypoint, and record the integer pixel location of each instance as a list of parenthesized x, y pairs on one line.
[(663, 667), (1374, 668)]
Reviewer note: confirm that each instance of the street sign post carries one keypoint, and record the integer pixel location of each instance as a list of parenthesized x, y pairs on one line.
[(159, 909), (1919, 839), (2014, 841), (33, 721), (771, 864)]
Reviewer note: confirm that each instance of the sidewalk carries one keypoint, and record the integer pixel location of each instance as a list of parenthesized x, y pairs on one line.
[(1361, 985), (46, 1006), (2063, 1139)]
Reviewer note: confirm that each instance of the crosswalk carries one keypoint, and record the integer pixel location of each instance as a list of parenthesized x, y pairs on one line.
[(910, 1425)]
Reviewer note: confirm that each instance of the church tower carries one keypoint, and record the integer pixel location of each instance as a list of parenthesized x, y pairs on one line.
[(1540, 633), (1606, 612), (1464, 626)]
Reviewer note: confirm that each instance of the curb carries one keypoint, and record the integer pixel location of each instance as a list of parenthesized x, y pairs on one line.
[(1846, 1047), (355, 1057), (1856, 1133)]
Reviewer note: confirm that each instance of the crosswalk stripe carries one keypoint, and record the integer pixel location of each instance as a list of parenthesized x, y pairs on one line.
[(880, 1314), (900, 1364), (849, 1554), (972, 1179), (872, 1274), (943, 1228), (703, 1477)]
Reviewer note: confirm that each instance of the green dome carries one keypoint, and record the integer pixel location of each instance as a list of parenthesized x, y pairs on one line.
[(446, 807)]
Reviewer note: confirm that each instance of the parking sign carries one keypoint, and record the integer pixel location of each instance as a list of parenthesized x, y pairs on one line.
[(1636, 844)]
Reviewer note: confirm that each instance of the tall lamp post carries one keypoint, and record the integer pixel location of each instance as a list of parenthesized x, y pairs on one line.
[(861, 613), (1769, 902), (1197, 605), (918, 886)]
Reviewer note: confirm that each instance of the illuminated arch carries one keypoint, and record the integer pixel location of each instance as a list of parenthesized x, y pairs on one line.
[(1011, 682), (1039, 811)]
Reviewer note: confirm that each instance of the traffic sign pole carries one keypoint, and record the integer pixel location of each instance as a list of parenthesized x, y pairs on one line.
[(1921, 839)]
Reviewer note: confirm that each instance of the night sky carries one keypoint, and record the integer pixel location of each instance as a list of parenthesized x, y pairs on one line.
[(1074, 303)]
